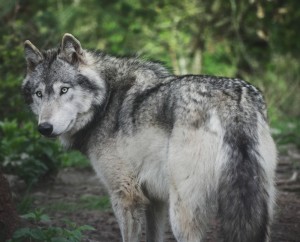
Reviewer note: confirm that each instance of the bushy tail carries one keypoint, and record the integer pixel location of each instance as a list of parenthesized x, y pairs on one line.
[(243, 197)]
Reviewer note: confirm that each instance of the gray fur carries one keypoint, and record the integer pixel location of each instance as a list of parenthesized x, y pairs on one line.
[(156, 140)]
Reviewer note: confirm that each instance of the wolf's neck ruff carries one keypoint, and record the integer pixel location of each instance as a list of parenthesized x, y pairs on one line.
[(80, 139)]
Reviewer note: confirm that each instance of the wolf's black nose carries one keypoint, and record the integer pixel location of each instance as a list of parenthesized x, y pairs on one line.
[(45, 129)]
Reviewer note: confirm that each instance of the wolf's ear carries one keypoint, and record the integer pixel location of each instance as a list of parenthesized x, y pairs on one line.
[(71, 49), (32, 55)]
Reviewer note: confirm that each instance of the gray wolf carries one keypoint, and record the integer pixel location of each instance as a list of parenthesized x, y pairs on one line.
[(193, 145)]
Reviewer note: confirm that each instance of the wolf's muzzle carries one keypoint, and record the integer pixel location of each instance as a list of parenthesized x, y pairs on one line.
[(45, 129)]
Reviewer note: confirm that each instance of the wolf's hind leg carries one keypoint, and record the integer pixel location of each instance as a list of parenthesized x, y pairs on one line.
[(129, 208), (188, 218), (193, 166), (155, 217)]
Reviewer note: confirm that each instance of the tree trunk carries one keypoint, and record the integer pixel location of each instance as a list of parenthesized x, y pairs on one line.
[(8, 215)]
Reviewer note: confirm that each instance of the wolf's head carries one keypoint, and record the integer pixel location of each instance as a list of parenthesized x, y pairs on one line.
[(62, 87)]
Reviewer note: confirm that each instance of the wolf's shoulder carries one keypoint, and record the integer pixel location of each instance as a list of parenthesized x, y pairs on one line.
[(123, 66)]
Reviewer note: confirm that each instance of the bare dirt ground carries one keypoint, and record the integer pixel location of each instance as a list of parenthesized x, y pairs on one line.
[(72, 184)]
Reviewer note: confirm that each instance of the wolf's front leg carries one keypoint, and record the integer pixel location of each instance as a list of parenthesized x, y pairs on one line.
[(129, 205)]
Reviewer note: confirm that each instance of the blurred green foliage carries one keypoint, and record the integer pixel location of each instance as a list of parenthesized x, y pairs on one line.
[(24, 152), (252, 39), (42, 230)]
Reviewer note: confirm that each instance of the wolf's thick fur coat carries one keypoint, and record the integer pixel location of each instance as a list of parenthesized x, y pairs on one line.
[(190, 145)]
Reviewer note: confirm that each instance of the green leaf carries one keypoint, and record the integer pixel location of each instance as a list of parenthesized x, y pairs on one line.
[(86, 227), (38, 234), (22, 233), (28, 216), (45, 218)]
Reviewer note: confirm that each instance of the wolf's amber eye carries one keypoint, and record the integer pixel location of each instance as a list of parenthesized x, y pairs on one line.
[(64, 90), (39, 94)]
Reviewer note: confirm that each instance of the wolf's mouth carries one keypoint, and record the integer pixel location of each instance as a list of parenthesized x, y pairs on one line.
[(55, 135), (52, 136), (70, 124)]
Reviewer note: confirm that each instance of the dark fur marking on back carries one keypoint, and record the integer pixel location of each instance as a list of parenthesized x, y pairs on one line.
[(121, 93), (165, 116)]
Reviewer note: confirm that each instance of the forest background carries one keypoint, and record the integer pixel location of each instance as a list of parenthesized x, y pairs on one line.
[(251, 39), (256, 40)]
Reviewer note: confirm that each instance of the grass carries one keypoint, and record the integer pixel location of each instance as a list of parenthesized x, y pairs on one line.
[(86, 202), (39, 228), (91, 202), (74, 159)]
